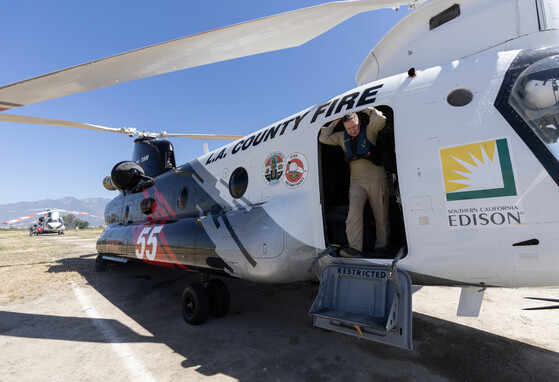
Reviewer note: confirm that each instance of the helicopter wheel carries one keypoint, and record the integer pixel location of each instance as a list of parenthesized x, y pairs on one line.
[(195, 304), (100, 263), (219, 298)]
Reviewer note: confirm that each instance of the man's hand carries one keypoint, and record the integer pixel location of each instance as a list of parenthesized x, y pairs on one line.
[(335, 122)]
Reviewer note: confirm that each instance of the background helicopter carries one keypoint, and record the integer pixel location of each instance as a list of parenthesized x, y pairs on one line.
[(49, 221), (234, 234)]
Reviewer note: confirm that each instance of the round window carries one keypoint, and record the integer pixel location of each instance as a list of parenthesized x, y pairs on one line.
[(460, 97), (238, 183), (182, 198)]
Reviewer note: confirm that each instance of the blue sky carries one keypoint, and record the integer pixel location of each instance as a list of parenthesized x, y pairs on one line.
[(233, 97)]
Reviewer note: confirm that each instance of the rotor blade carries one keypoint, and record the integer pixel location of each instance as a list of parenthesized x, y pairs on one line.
[(32, 209), (23, 218), (57, 122), (267, 34), (79, 213), (130, 131), (218, 137)]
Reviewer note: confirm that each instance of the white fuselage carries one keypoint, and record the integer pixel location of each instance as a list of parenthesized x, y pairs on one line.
[(458, 232)]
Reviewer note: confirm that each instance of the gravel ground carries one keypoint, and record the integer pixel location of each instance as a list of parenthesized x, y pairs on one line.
[(60, 320)]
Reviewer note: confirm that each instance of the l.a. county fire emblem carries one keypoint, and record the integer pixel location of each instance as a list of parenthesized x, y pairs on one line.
[(273, 168)]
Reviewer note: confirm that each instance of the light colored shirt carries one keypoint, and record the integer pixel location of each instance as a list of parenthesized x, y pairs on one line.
[(361, 170)]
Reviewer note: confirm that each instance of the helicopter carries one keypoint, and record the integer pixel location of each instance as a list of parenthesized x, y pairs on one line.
[(471, 131), (49, 221)]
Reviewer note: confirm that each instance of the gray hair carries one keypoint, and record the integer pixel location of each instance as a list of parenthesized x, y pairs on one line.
[(349, 116)]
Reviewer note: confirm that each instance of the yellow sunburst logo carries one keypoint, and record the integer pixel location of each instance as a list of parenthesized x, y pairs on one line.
[(478, 170)]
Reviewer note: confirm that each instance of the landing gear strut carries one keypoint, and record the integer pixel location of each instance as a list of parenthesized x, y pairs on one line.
[(219, 298), (200, 300), (100, 263)]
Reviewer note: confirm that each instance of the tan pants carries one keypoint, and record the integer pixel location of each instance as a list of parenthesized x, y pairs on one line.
[(377, 193)]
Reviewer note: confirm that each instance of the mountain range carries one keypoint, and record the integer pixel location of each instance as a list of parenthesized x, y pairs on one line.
[(95, 206)]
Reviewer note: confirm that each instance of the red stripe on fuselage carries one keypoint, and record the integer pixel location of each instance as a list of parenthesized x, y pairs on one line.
[(163, 212), (159, 196)]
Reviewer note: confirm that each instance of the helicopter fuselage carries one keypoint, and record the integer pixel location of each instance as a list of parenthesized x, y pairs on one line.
[(475, 192)]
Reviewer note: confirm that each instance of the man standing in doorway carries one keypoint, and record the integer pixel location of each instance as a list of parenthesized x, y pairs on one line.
[(367, 177)]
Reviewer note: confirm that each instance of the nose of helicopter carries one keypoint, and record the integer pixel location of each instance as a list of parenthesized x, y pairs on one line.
[(54, 224)]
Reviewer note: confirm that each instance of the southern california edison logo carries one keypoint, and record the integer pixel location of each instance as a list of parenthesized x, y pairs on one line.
[(478, 171), (296, 171)]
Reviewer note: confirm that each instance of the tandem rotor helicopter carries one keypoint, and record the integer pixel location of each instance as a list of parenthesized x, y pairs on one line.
[(470, 93), (49, 221)]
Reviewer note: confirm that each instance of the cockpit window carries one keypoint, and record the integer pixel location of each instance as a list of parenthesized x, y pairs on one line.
[(535, 97)]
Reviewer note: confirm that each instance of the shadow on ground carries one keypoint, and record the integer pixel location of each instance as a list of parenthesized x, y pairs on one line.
[(268, 334)]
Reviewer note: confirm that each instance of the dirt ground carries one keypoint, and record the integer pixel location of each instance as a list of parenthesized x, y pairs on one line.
[(60, 320)]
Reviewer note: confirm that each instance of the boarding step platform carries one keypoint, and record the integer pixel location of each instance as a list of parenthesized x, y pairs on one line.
[(365, 300)]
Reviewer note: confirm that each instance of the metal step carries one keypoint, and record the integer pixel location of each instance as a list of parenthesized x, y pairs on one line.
[(367, 301)]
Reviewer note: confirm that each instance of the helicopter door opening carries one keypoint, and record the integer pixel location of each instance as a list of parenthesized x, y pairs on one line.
[(335, 188)]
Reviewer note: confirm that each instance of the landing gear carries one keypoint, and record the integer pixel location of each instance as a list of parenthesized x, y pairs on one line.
[(219, 298), (202, 300), (100, 263), (195, 304)]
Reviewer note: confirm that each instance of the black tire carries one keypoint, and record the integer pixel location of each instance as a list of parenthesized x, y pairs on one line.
[(219, 298), (195, 304), (100, 263)]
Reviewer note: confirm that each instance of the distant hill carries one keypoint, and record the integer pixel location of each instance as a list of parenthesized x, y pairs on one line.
[(95, 206)]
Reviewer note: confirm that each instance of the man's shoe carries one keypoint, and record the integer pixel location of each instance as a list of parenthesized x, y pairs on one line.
[(351, 253)]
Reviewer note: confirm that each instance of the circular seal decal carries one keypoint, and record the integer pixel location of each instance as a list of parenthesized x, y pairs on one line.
[(273, 168), (297, 169)]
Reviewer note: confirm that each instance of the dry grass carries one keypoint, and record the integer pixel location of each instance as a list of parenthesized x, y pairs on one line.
[(33, 266)]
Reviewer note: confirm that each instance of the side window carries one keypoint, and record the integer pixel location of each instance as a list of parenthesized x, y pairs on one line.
[(535, 97), (126, 214), (238, 183), (182, 198)]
